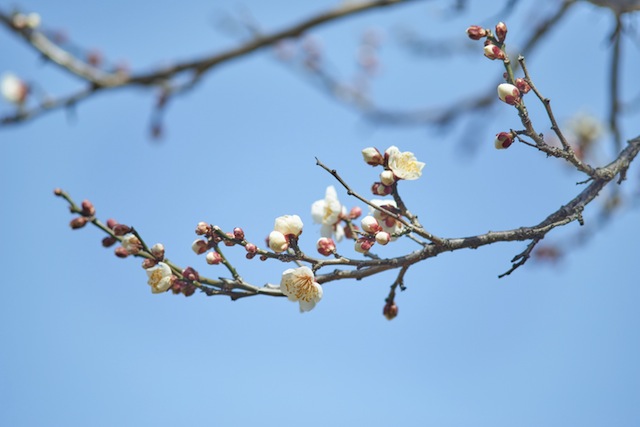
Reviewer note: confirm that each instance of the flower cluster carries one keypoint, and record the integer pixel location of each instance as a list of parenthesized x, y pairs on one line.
[(397, 165)]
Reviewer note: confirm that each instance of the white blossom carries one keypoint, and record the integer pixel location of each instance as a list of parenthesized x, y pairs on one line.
[(288, 225), (13, 88), (131, 243), (404, 165), (160, 278), (328, 212), (299, 284)]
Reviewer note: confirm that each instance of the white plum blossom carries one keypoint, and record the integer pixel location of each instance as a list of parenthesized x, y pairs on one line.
[(328, 212), (288, 225), (160, 278), (404, 165), (299, 284), (131, 243), (13, 88), (277, 241)]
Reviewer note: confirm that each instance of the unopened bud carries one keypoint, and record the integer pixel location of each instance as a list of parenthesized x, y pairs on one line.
[(355, 212), (503, 140), (121, 252), (57, 191), (251, 248), (109, 241), (199, 246), (78, 222), (492, 52), (390, 310), (111, 223), (238, 233), (476, 32), (379, 189), (190, 273), (509, 93), (522, 85), (372, 156), (383, 237), (229, 241), (387, 177), (501, 31), (363, 244), (325, 246), (121, 229), (370, 225), (131, 243), (87, 208), (148, 263), (203, 228), (277, 241), (157, 251), (213, 258)]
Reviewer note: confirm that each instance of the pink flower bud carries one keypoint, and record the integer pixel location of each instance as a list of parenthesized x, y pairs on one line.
[(379, 189), (509, 93), (109, 241), (492, 52), (390, 310), (251, 248), (326, 246), (203, 228), (57, 191), (238, 233), (111, 223), (363, 244), (190, 273), (213, 258), (476, 32), (121, 252), (277, 241), (199, 246), (383, 238), (157, 251), (228, 242), (121, 229), (148, 263), (372, 156), (87, 208), (501, 31), (78, 222), (370, 225), (355, 212), (522, 85), (387, 177), (503, 140)]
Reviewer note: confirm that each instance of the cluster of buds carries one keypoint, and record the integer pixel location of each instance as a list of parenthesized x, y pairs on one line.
[(397, 165), (494, 43), (373, 233), (213, 235), (286, 230)]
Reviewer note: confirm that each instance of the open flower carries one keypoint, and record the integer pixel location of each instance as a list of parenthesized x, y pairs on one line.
[(328, 213), (299, 284), (288, 225), (404, 165), (131, 243), (160, 278)]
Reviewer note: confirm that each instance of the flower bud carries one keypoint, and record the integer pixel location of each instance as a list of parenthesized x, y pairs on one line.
[(213, 258), (238, 233), (277, 241), (355, 212), (390, 310), (57, 191), (121, 252), (383, 238), (503, 140), (203, 228), (13, 89), (131, 243), (109, 241), (370, 225), (476, 32), (190, 274), (522, 85), (148, 263), (387, 177), (157, 251), (87, 208), (111, 223), (492, 52), (78, 222), (199, 246), (508, 93), (121, 229), (229, 241), (379, 189), (289, 225), (363, 244), (372, 156), (501, 31), (325, 246), (251, 248)]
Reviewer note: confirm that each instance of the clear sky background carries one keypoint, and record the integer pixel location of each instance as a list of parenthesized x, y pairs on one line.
[(85, 343)]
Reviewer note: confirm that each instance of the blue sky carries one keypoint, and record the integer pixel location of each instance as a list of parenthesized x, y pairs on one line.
[(84, 342)]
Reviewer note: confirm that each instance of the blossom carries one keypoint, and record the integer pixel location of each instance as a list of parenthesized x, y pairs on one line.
[(404, 165), (160, 278), (277, 241), (299, 284), (13, 88), (328, 212), (288, 225), (131, 243)]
